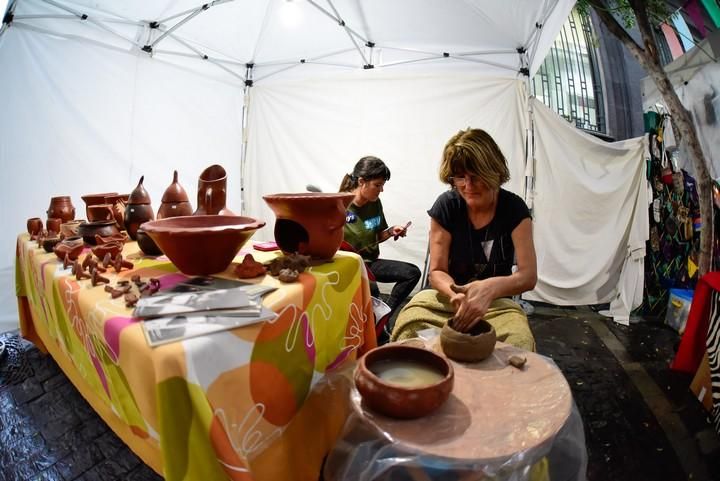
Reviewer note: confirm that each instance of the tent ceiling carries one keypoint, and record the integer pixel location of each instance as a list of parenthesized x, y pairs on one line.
[(284, 37)]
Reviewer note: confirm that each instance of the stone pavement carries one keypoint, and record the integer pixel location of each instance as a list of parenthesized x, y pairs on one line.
[(641, 420)]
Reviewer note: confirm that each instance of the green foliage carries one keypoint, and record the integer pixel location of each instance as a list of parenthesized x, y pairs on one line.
[(657, 10)]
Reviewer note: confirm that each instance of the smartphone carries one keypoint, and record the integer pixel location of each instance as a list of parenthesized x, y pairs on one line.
[(266, 246)]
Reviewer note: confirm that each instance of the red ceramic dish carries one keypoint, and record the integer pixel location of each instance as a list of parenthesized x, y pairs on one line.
[(202, 244), (394, 400)]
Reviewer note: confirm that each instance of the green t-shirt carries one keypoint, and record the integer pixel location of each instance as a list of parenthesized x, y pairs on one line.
[(362, 231)]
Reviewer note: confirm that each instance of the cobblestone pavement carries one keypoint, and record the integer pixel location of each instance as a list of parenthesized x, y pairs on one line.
[(641, 420)]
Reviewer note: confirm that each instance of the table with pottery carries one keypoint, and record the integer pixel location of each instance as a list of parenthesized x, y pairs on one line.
[(247, 403), (509, 416)]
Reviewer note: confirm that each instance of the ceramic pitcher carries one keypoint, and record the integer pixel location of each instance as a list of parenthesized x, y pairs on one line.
[(212, 192)]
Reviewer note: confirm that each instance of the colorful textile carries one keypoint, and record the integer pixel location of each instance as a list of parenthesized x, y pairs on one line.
[(428, 309), (672, 40), (713, 11), (693, 10), (683, 31), (237, 404)]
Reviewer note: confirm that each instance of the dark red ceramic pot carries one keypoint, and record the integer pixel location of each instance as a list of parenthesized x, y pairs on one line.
[(62, 208), (309, 223), (399, 401)]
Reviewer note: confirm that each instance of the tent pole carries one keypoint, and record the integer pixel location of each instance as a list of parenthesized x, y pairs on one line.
[(243, 147), (529, 133)]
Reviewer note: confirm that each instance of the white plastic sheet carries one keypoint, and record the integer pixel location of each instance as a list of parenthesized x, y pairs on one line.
[(591, 221)]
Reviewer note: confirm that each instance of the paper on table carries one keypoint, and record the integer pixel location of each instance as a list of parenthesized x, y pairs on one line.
[(185, 302)]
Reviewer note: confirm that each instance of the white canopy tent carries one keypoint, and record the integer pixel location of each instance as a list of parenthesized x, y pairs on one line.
[(282, 94)]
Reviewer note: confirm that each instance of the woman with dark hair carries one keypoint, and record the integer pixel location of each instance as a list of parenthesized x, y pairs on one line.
[(366, 228), (478, 232)]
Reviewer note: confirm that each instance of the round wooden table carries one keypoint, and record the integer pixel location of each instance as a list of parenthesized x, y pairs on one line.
[(497, 418)]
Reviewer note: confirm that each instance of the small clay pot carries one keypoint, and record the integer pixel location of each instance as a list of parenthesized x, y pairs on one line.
[(70, 228), (88, 230), (95, 199), (473, 346), (53, 224), (396, 400), (146, 244), (34, 226)]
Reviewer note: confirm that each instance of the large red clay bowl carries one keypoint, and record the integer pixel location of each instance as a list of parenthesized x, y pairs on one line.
[(309, 223), (404, 381), (201, 244)]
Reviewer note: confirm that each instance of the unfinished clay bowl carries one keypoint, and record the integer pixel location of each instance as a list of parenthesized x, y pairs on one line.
[(202, 244), (309, 223), (472, 346), (403, 381), (104, 228)]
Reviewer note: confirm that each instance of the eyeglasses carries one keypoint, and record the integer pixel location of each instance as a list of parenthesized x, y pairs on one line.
[(465, 179)]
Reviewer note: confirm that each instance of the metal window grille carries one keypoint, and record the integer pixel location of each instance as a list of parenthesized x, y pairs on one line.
[(569, 79)]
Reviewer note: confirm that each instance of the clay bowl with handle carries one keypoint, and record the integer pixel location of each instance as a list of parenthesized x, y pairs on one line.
[(404, 381)]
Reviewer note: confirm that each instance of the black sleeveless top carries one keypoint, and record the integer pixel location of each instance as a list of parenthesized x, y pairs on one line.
[(479, 253)]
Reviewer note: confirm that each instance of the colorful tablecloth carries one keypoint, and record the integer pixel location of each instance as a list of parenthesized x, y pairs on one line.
[(251, 403)]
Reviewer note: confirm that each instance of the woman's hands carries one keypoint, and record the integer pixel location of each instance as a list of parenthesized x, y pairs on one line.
[(471, 302)]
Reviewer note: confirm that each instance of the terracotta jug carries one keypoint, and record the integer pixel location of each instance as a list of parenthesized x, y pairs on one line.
[(175, 202), (212, 192), (61, 207), (309, 223), (138, 209)]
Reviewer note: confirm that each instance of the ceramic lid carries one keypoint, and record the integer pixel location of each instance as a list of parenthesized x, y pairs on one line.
[(139, 195), (175, 192)]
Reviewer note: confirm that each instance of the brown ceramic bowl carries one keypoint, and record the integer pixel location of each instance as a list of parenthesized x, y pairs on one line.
[(472, 346), (71, 246), (49, 243), (202, 244), (103, 228), (409, 395)]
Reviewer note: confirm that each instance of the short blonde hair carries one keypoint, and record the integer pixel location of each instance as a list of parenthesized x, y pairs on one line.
[(473, 151)]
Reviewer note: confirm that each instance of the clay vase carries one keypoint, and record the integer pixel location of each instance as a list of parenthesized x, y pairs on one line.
[(53, 225), (397, 400), (309, 223), (175, 202), (61, 207), (212, 192), (472, 346), (34, 226), (138, 209)]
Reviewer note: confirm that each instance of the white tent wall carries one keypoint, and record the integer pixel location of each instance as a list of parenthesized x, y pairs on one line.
[(313, 132), (591, 216), (78, 118)]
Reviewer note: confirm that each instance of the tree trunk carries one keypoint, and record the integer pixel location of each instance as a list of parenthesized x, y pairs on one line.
[(649, 60)]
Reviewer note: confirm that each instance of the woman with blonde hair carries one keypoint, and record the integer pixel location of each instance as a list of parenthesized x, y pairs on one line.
[(478, 232)]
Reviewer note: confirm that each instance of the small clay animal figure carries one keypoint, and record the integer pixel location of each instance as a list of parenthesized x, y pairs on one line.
[(249, 268)]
